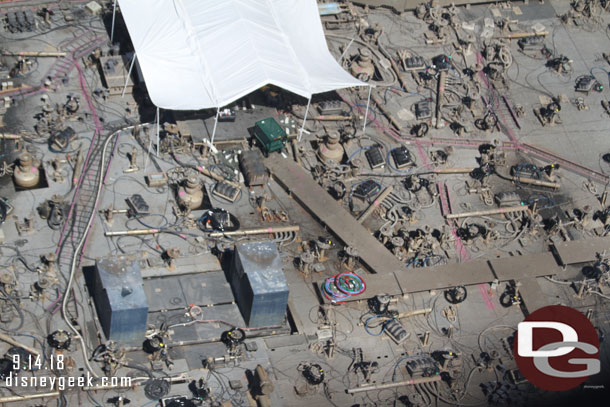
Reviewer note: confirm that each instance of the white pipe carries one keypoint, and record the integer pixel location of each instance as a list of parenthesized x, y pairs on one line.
[(158, 119), (346, 48), (148, 154), (113, 17), (366, 114), (215, 124), (133, 60), (304, 119)]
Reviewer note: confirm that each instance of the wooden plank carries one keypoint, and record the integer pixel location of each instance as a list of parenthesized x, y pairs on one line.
[(319, 203), (580, 251), (528, 266), (445, 276)]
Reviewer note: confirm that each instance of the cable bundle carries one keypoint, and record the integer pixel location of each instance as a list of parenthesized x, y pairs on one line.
[(342, 286)]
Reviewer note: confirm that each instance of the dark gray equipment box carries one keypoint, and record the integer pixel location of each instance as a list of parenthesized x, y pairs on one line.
[(120, 300), (259, 284), (253, 168)]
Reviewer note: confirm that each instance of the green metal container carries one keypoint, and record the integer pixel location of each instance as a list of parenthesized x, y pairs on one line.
[(270, 135)]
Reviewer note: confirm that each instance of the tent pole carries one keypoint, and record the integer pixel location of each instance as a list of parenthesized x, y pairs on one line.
[(366, 114), (133, 60), (147, 153), (214, 130), (158, 119), (346, 49), (113, 17), (304, 119)]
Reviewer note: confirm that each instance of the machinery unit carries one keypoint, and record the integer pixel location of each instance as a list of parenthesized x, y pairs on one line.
[(259, 284), (226, 115), (137, 205), (375, 157), (415, 63), (252, 167), (332, 150), (587, 83), (531, 43), (115, 75), (423, 110), (121, 303), (331, 108), (270, 135), (402, 157), (424, 366), (366, 190), (226, 191), (363, 67), (191, 194), (27, 174)]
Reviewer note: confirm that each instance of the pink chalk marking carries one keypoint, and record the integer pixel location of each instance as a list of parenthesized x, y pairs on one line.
[(486, 297), (181, 193)]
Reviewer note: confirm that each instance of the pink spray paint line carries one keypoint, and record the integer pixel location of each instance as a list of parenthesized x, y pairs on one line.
[(486, 297), (445, 208)]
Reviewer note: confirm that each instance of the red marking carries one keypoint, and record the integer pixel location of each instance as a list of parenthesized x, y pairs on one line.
[(444, 201), (486, 297)]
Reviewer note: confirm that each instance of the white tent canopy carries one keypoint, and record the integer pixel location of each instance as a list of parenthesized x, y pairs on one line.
[(198, 54)]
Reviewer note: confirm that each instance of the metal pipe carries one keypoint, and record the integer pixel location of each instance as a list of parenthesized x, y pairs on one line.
[(295, 151), (6, 136), (420, 380), (158, 128), (453, 170), (13, 342), (305, 119), (113, 20), (133, 232), (257, 231), (366, 113), (516, 36), (12, 399), (414, 313), (385, 112), (497, 211), (439, 97), (217, 177), (78, 167), (33, 54), (398, 73), (375, 204), (524, 180), (133, 61), (426, 338), (512, 112)]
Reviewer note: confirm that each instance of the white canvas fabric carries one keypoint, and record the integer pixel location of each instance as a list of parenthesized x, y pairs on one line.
[(197, 54)]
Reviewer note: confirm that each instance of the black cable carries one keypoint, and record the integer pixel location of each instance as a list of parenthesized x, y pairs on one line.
[(20, 257), (3, 211), (154, 389), (136, 367), (17, 307)]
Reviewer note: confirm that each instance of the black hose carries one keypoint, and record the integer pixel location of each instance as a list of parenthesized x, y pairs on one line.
[(140, 368), (3, 211), (17, 307)]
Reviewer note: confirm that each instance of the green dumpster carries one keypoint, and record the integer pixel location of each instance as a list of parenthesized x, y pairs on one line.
[(270, 135)]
